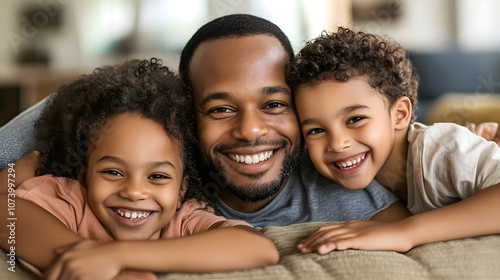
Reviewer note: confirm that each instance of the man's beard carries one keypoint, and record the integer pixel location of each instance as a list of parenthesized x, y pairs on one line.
[(256, 192)]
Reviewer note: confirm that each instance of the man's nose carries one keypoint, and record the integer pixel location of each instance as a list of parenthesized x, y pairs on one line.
[(250, 126)]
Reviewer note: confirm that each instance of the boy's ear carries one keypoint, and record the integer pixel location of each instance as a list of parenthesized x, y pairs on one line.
[(81, 174), (401, 113), (182, 191)]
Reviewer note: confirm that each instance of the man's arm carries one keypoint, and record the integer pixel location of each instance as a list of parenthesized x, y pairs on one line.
[(19, 171), (220, 249)]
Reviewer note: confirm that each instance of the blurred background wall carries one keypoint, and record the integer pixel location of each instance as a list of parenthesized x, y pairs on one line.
[(49, 42)]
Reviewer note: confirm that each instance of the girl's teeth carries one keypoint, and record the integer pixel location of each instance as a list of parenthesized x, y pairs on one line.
[(132, 215)]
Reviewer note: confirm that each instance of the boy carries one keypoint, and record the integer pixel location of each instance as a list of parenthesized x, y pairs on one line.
[(355, 95)]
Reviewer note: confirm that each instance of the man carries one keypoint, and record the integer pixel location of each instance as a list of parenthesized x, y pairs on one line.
[(234, 68)]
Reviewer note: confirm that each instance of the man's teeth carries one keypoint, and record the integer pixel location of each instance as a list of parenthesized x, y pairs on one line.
[(251, 159), (350, 163), (133, 215)]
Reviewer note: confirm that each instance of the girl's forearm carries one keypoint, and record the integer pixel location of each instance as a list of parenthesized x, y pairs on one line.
[(219, 249)]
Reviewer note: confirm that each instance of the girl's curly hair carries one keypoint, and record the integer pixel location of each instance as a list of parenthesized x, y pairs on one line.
[(76, 113), (348, 54)]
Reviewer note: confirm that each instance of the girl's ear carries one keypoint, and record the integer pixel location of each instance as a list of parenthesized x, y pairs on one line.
[(182, 191), (401, 113), (82, 174)]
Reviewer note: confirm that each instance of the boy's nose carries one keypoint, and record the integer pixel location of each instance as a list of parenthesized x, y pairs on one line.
[(338, 142)]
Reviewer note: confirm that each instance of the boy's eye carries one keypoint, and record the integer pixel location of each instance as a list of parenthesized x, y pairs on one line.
[(314, 131), (355, 119)]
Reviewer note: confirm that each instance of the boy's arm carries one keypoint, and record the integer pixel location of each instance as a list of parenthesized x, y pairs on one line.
[(395, 212), (19, 171), (219, 249), (474, 216)]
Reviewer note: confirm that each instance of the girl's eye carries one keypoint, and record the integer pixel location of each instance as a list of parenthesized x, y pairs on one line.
[(158, 176), (112, 172)]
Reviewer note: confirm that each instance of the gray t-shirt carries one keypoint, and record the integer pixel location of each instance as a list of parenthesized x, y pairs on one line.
[(310, 197)]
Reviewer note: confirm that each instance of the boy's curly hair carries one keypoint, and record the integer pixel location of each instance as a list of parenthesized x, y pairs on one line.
[(76, 113), (347, 54)]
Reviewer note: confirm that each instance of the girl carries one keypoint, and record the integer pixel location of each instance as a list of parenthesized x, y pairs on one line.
[(117, 164)]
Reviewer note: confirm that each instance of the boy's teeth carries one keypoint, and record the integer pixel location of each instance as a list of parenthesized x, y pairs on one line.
[(251, 159), (350, 163), (133, 215)]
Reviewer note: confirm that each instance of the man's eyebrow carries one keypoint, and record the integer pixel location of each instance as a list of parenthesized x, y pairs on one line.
[(224, 95), (214, 96), (276, 89)]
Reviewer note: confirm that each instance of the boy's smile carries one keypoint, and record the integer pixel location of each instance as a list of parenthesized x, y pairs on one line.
[(348, 130)]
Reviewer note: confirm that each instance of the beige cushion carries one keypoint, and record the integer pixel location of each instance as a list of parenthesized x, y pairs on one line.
[(470, 258), (460, 108)]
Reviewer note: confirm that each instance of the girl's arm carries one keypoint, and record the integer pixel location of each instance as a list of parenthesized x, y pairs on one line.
[(475, 216), (219, 249)]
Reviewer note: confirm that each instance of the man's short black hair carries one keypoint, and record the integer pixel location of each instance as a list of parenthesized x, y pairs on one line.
[(230, 26)]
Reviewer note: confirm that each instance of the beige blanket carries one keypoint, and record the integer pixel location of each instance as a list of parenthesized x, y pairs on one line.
[(471, 258)]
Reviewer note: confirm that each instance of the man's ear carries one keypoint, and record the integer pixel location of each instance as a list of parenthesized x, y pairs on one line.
[(182, 191), (401, 113), (81, 175)]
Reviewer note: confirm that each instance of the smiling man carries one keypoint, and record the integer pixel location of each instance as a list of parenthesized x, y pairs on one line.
[(234, 69)]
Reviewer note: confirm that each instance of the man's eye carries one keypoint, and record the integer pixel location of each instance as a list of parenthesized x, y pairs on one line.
[(220, 110), (275, 107)]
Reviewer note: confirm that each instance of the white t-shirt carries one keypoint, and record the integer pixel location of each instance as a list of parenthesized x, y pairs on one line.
[(447, 163)]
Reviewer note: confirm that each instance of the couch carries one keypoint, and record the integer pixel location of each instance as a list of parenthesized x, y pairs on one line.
[(470, 258)]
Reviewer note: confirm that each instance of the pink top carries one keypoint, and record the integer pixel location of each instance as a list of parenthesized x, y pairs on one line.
[(66, 200)]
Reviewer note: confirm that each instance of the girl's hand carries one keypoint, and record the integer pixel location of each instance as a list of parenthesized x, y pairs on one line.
[(87, 259), (362, 235)]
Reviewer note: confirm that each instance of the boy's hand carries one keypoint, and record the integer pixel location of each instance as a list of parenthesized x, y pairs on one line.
[(362, 235)]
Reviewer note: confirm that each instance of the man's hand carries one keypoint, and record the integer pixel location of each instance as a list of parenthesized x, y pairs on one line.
[(87, 259), (488, 130)]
